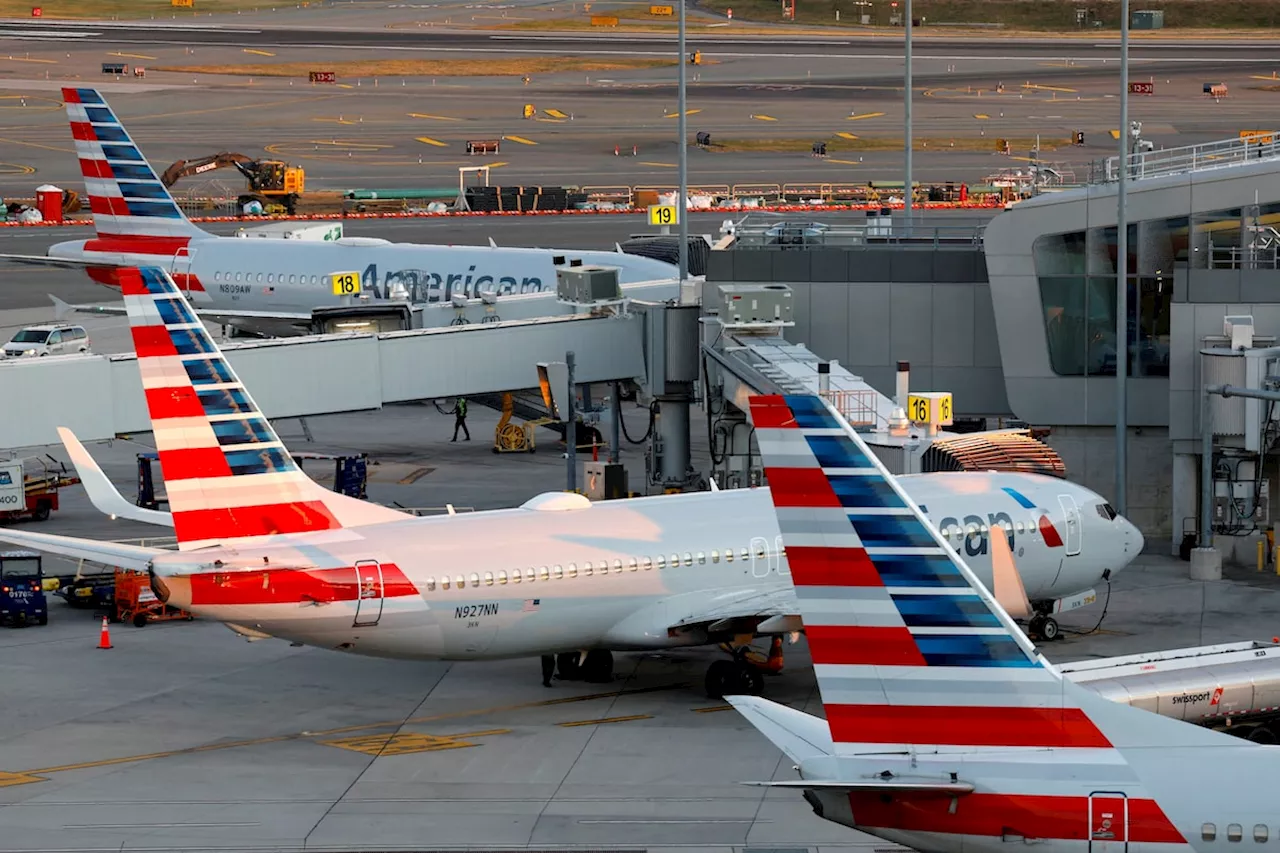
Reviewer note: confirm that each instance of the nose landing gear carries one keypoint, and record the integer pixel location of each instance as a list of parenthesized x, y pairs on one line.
[(593, 667), (1044, 627)]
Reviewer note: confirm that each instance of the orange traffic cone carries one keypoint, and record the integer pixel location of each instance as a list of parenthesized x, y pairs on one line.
[(104, 640)]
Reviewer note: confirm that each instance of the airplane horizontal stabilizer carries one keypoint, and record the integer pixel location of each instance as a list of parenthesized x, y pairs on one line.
[(102, 492), (107, 553), (800, 735)]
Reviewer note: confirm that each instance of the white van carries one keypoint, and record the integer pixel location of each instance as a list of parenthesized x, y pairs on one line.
[(47, 340)]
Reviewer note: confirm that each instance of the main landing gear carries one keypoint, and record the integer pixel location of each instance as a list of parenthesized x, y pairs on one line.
[(593, 667), (744, 674), (1044, 627)]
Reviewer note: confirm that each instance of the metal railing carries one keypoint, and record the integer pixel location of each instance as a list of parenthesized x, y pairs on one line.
[(1247, 258), (1187, 159), (782, 231)]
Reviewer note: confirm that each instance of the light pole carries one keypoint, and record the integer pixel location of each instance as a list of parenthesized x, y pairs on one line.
[(1122, 271), (682, 204), (908, 186)]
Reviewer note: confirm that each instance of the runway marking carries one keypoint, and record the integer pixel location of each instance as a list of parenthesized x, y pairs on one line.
[(844, 134), (55, 62), (417, 473), (982, 116), (1271, 76), (555, 114), (865, 115), (338, 120), (1042, 88), (659, 165), (131, 55), (521, 140), (843, 162), (763, 118), (407, 743), (18, 169), (550, 120), (433, 118), (257, 52), (29, 102), (436, 142), (9, 779), (712, 709), (33, 775), (677, 115), (345, 86), (497, 165), (604, 720), (38, 145), (1115, 134)]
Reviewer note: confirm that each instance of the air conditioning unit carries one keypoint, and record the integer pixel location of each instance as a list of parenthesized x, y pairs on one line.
[(1233, 502)]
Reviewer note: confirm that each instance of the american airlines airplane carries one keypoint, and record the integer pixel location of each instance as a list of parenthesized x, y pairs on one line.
[(945, 728), (236, 281), (273, 554)]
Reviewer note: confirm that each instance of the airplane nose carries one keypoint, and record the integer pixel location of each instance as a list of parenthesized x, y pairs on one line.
[(1133, 539)]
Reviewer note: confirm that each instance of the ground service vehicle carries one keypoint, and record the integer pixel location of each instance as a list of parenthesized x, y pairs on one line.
[(47, 340), (22, 599), (269, 180)]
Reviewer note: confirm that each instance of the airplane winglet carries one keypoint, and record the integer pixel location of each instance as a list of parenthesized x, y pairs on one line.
[(61, 308), (102, 493), (493, 244)]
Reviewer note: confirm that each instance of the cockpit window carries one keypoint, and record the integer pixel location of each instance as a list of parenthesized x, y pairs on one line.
[(1107, 511)]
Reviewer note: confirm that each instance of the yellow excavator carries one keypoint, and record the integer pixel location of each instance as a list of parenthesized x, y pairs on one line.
[(270, 181)]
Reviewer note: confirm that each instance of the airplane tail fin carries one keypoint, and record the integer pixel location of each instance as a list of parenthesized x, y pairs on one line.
[(909, 648), (227, 474), (132, 209)]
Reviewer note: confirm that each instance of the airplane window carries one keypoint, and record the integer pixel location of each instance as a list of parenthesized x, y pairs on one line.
[(475, 579), (675, 561), (431, 584), (217, 276), (572, 570), (983, 530), (972, 529), (488, 578), (259, 278), (1018, 527), (702, 558), (760, 554), (459, 581), (648, 564), (237, 276), (1260, 832), (1208, 831), (502, 577), (1106, 511), (292, 278), (728, 555), (528, 574), (515, 576), (586, 569), (688, 558), (270, 278), (662, 563), (617, 566), (746, 555), (543, 574), (715, 556), (557, 572), (1234, 832), (444, 583), (633, 564)]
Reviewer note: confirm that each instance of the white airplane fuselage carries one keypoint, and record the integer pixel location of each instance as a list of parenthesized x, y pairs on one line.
[(270, 274), (619, 575)]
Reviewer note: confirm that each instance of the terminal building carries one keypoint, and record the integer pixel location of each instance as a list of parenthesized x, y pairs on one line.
[(1017, 318)]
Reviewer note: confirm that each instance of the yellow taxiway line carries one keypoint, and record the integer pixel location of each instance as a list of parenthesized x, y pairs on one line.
[(520, 139), (603, 720), (865, 115), (429, 141)]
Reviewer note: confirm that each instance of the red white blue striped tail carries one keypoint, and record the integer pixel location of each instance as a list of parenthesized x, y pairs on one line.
[(132, 210), (909, 648), (227, 474)]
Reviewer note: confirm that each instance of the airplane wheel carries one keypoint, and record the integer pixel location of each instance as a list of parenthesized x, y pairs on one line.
[(598, 667), (751, 680), (1262, 734), (1049, 630), (567, 666), (721, 678)]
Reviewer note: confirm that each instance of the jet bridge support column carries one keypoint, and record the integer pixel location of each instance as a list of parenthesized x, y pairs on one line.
[(671, 369)]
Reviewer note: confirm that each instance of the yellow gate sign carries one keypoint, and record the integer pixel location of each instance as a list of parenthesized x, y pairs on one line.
[(1261, 137), (346, 283), (604, 20), (182, 4), (664, 214), (664, 11), (933, 408)]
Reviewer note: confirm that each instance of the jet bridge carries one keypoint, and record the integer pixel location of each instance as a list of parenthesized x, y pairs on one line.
[(100, 396), (744, 352)]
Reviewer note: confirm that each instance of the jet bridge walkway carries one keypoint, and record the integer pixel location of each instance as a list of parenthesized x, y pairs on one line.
[(100, 396)]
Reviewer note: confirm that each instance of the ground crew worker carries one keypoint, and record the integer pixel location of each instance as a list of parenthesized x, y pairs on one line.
[(460, 419), (548, 669)]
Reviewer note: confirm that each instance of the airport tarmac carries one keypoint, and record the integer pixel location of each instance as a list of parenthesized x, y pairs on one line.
[(397, 131), (184, 736)]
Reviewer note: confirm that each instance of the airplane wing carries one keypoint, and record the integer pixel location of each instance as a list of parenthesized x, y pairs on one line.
[(102, 492), (284, 321), (46, 261), (755, 611), (108, 553)]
